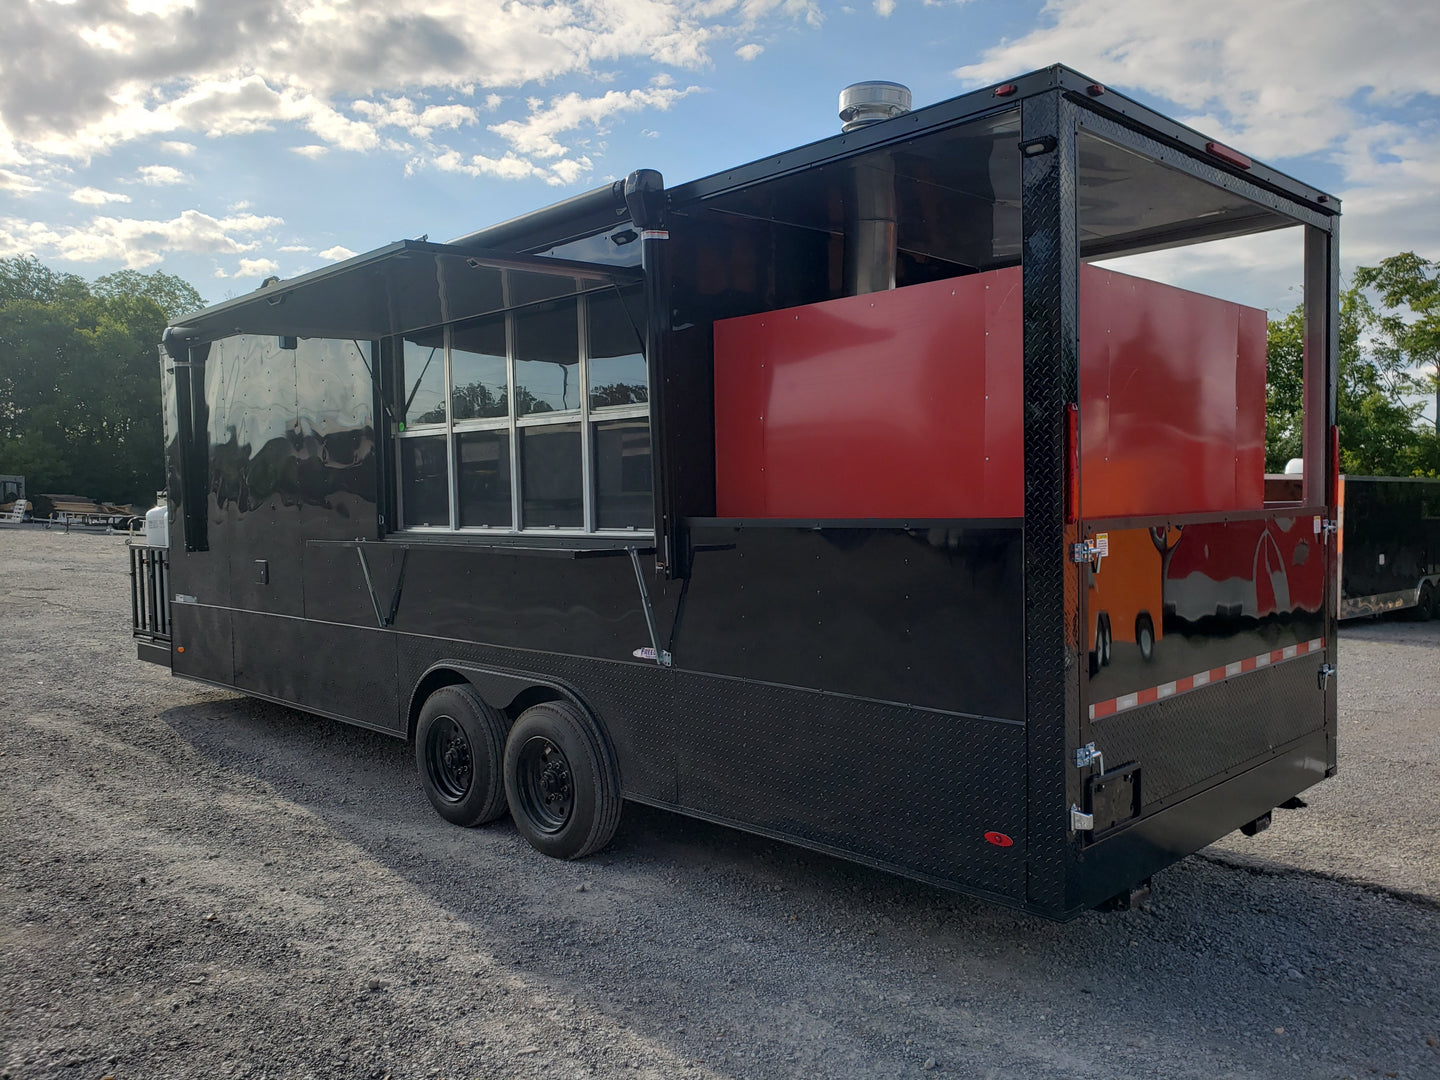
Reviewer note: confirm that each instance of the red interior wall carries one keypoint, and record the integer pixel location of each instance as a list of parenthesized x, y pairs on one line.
[(1172, 399), (900, 404), (908, 404)]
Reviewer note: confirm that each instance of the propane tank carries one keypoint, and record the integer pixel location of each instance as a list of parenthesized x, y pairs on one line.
[(157, 523)]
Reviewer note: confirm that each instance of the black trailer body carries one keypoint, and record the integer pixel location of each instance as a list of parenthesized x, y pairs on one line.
[(1389, 554), (502, 496)]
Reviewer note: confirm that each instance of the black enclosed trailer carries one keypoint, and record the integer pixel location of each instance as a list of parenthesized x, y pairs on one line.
[(1389, 552), (852, 497)]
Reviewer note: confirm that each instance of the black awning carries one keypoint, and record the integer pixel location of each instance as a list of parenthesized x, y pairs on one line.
[(397, 289)]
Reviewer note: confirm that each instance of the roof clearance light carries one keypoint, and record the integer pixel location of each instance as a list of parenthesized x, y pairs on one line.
[(1095, 89), (1005, 89), (999, 839), (1224, 153)]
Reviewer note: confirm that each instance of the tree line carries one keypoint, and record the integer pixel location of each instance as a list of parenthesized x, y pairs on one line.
[(80, 408)]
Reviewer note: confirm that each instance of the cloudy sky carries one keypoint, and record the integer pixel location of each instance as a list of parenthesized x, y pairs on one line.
[(227, 140)]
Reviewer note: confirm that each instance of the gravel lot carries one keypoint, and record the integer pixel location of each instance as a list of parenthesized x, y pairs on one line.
[(197, 885)]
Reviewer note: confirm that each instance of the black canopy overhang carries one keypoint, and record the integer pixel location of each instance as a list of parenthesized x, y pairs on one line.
[(403, 287)]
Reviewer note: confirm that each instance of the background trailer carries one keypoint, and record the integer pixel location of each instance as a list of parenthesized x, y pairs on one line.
[(855, 496)]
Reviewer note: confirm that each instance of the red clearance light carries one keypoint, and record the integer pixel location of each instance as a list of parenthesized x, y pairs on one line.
[(999, 839), (1224, 153), (1005, 89), (1094, 89)]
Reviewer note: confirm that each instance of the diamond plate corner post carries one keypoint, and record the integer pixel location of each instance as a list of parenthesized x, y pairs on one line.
[(1051, 282), (1322, 376)]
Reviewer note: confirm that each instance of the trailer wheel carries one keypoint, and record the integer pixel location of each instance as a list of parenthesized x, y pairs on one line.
[(459, 747), (1145, 635), (1104, 639), (561, 781), (1427, 609)]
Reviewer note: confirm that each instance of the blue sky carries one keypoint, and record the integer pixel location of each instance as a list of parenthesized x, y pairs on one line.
[(227, 140)]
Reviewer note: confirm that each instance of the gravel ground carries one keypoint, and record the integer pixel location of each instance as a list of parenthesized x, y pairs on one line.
[(198, 885)]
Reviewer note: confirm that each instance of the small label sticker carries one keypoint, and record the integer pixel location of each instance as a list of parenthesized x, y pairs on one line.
[(655, 234), (1317, 526), (184, 598), (1102, 544), (646, 653)]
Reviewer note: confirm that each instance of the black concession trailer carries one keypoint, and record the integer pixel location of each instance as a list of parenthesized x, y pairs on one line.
[(856, 497)]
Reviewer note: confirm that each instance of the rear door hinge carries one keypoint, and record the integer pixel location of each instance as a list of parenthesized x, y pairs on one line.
[(1081, 821)]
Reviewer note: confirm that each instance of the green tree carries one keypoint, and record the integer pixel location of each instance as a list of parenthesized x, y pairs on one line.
[(1409, 331), (79, 380), (1378, 430), (173, 295)]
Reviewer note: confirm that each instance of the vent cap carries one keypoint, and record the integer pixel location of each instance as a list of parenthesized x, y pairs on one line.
[(865, 103)]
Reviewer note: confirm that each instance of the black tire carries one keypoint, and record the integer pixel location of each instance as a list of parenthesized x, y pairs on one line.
[(459, 748), (1105, 639), (1145, 635), (561, 781), (1425, 610)]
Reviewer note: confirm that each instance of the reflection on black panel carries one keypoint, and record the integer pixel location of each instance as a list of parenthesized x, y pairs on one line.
[(622, 475), (424, 481), (528, 288), (551, 486), (617, 362), (483, 460), (423, 379), (477, 370), (547, 359)]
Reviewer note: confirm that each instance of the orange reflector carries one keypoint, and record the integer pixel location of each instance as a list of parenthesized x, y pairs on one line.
[(999, 839), (179, 648)]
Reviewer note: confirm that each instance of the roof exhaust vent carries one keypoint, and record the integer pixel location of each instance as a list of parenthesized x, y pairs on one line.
[(866, 103)]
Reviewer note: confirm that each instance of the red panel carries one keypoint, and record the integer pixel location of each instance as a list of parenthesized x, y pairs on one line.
[(1172, 391), (1250, 408), (891, 405)]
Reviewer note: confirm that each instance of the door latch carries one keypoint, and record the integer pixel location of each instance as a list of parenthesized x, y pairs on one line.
[(1088, 755), (1092, 550), (1081, 821), (1323, 675), (1327, 529)]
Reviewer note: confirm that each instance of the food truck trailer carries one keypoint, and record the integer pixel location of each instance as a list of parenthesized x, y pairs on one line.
[(853, 497)]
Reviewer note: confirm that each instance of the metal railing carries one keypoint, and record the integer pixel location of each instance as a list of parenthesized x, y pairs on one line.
[(149, 593)]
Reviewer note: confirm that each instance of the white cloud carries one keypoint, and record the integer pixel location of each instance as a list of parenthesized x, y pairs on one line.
[(336, 253), (535, 136), (296, 249), (161, 175), (137, 243), (13, 181), (749, 52), (257, 268), (312, 151), (95, 197), (884, 8), (422, 123), (179, 149), (127, 69)]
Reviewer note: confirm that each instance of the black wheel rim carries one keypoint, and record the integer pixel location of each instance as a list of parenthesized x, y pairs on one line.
[(547, 793), (447, 751)]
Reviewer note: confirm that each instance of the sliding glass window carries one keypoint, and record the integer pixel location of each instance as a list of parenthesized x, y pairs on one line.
[(532, 419)]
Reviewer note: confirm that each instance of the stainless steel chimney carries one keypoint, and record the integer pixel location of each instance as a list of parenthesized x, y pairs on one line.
[(870, 200)]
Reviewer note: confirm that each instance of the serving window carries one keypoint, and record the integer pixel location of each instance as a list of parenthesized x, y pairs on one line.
[(535, 418)]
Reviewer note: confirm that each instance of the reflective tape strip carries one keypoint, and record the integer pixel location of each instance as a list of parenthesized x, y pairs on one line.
[(1204, 678)]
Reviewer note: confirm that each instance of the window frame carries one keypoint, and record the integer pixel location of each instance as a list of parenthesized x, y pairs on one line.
[(512, 423)]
